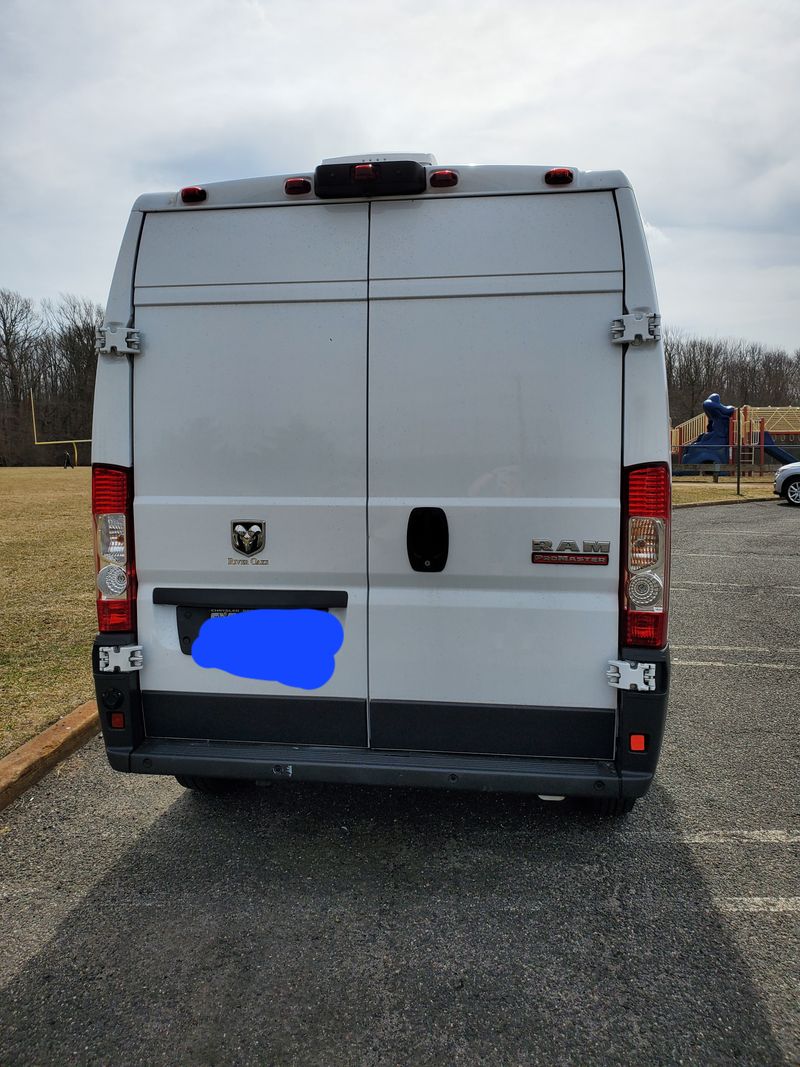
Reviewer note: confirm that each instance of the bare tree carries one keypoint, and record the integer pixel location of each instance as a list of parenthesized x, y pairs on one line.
[(51, 352)]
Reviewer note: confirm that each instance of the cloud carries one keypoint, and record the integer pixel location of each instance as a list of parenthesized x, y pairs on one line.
[(103, 100)]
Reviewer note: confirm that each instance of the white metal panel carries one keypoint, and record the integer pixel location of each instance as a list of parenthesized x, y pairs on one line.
[(296, 243), (506, 413), (543, 234), (111, 421), (473, 180), (646, 399), (253, 411), (497, 285), (268, 293)]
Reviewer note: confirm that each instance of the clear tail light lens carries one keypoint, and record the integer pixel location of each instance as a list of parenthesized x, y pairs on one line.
[(645, 577), (112, 501)]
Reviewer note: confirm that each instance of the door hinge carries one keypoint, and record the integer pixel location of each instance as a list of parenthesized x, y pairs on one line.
[(116, 659), (625, 674), (114, 339), (636, 329)]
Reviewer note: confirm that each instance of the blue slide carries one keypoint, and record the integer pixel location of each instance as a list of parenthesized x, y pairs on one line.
[(712, 446), (776, 451)]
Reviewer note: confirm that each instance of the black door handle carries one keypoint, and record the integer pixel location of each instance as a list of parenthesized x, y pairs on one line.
[(427, 539)]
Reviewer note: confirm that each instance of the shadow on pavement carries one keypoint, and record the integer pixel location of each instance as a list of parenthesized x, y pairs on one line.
[(337, 925)]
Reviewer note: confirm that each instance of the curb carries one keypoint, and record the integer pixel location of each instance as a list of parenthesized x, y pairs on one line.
[(720, 503), (23, 767)]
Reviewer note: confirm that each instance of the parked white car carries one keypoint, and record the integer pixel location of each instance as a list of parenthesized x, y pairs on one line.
[(787, 483)]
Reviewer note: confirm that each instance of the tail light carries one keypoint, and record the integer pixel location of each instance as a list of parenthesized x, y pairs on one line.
[(645, 576), (112, 511)]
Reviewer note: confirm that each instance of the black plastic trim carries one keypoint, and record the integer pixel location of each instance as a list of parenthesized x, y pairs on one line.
[(118, 691), (502, 729), (335, 181), (367, 767), (323, 599), (644, 713), (427, 540), (258, 719)]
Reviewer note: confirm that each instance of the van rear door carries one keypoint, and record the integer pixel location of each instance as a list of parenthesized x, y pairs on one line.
[(250, 407), (495, 398)]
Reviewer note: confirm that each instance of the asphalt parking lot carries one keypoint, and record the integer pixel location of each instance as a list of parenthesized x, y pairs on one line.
[(331, 925)]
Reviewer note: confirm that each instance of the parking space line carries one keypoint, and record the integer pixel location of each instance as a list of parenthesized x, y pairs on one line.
[(749, 837), (773, 904), (735, 648), (732, 555), (734, 663), (678, 584), (716, 837)]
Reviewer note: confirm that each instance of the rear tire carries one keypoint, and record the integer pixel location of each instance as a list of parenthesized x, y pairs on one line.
[(215, 786), (791, 492), (613, 805)]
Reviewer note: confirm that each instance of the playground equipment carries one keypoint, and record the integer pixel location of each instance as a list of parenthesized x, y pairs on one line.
[(713, 437)]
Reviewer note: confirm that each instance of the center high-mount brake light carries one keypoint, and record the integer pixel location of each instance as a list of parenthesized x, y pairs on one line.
[(390, 177), (112, 512), (645, 565), (193, 194), (366, 172), (559, 176)]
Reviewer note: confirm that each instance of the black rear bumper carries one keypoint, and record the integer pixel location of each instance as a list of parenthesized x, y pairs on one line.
[(315, 739), (584, 778)]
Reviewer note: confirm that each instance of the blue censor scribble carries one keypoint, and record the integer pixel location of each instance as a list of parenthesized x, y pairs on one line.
[(295, 646)]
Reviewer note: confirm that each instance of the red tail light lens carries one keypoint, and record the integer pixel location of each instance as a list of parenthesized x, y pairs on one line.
[(443, 179), (366, 172), (296, 186), (112, 512), (645, 576), (559, 176), (193, 194), (649, 491)]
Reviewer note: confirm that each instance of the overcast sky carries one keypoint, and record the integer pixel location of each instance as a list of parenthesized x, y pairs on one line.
[(697, 102)]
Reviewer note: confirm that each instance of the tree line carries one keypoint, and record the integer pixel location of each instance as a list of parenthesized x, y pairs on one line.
[(49, 349), (742, 372)]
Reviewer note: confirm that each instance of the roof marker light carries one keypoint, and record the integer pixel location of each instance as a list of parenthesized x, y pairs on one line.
[(296, 186), (559, 176), (365, 172), (193, 194), (443, 179)]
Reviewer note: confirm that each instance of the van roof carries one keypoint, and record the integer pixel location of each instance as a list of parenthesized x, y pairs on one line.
[(473, 180)]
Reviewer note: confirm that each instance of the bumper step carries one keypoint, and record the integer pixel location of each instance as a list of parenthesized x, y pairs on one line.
[(364, 766)]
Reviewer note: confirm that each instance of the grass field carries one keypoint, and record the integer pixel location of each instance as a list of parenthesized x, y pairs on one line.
[(702, 490), (47, 615)]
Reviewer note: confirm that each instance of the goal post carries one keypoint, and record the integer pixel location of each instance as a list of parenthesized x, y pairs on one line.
[(74, 441)]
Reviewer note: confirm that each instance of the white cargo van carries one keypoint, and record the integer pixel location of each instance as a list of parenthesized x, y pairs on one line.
[(426, 402)]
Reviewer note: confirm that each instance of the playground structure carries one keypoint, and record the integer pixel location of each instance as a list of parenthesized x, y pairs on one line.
[(71, 441), (769, 436)]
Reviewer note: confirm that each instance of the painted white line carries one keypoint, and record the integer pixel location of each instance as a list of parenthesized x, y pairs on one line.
[(754, 837), (679, 583), (736, 648), (719, 663), (731, 555), (786, 904)]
